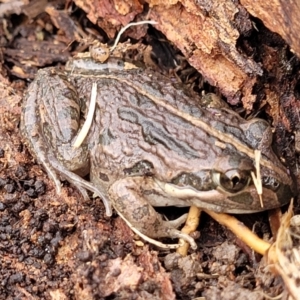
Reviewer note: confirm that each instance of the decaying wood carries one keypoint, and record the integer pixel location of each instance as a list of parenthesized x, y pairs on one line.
[(279, 16), (207, 39)]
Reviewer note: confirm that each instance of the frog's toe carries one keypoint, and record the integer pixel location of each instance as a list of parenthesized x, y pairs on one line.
[(83, 192), (81, 184), (174, 233), (178, 222), (51, 173)]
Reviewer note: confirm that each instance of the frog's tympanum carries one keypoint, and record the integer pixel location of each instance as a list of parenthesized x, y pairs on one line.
[(151, 143)]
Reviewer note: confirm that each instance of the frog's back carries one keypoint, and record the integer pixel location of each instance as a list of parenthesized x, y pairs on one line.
[(144, 116)]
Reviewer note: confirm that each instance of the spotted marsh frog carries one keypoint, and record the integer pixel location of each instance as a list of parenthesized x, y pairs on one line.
[(151, 143)]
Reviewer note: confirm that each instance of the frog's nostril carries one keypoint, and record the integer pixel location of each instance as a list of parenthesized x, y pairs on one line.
[(270, 183)]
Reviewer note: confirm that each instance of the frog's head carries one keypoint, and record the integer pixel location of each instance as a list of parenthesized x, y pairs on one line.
[(229, 186), (238, 180)]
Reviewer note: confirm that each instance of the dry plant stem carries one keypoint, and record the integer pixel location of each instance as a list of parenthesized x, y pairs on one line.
[(89, 119), (126, 27), (241, 231), (284, 255), (190, 226), (257, 177), (283, 240)]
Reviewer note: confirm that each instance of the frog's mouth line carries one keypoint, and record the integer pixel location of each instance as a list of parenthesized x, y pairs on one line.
[(187, 192), (206, 199)]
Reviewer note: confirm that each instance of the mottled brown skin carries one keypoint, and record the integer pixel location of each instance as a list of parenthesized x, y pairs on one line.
[(149, 131), (50, 120)]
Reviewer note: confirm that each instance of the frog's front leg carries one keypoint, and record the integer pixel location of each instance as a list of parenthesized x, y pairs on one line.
[(128, 197)]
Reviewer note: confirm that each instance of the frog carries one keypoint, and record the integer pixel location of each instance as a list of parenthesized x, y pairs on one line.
[(152, 143)]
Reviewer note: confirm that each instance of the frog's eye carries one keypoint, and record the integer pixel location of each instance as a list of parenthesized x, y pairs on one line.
[(232, 180)]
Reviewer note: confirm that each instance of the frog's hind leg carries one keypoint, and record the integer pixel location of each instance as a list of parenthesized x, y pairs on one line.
[(29, 126), (80, 183), (51, 173), (35, 144), (54, 167)]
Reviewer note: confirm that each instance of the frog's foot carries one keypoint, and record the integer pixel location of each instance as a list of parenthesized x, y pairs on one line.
[(81, 184), (128, 200), (174, 233), (53, 175), (146, 238), (171, 228)]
